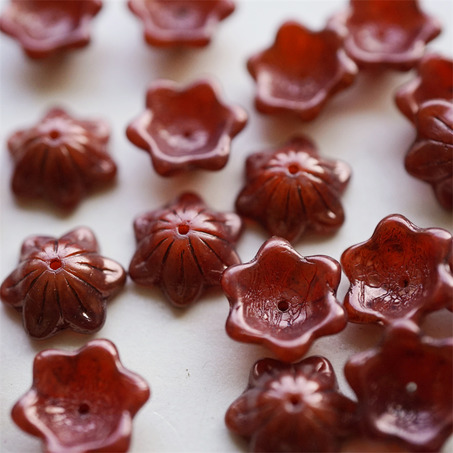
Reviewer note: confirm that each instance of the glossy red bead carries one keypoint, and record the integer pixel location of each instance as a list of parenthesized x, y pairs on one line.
[(45, 27), (300, 71), (431, 155), (186, 128), (291, 190), (282, 300), (61, 159), (433, 81), (81, 401), (62, 283), (183, 248), (175, 23), (382, 34), (402, 271), (292, 408), (404, 388)]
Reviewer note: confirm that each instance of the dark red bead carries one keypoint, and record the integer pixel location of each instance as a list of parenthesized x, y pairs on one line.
[(402, 271), (283, 300), (186, 128), (404, 388), (61, 159), (62, 283), (292, 408), (431, 155), (291, 190), (44, 27), (81, 401), (183, 248), (433, 81), (301, 71), (382, 34), (180, 22)]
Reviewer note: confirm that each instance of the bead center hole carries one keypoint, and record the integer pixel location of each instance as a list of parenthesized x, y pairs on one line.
[(183, 229), (55, 264), (293, 168), (54, 134), (295, 400), (283, 306), (84, 409)]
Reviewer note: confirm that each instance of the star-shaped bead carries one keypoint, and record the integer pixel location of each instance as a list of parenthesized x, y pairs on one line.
[(81, 401), (301, 71), (283, 300), (62, 283), (402, 271), (292, 408), (61, 159), (184, 247), (45, 27), (186, 128)]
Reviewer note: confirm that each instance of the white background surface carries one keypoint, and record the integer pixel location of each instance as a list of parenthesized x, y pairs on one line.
[(194, 369)]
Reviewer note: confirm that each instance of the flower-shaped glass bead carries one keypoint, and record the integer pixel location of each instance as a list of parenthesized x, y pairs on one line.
[(44, 27), (431, 155), (81, 401), (283, 300), (405, 388), (402, 271), (61, 159), (177, 23), (290, 190), (62, 283), (183, 248), (186, 128), (434, 81), (301, 71), (385, 34), (292, 408)]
